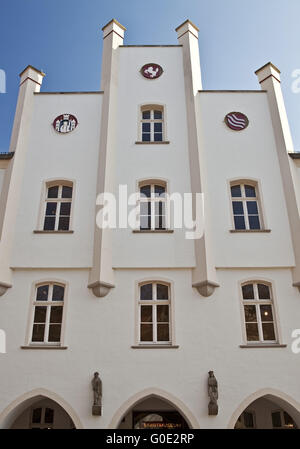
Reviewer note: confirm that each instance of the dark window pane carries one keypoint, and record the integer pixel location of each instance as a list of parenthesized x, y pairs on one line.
[(288, 420), (67, 192), (159, 191), (49, 223), (65, 209), (145, 208), (54, 333), (162, 313), (236, 191), (239, 222), (268, 331), (252, 332), (250, 313), (252, 207), (53, 192), (36, 416), (263, 291), (146, 292), (160, 222), (250, 191), (157, 115), (40, 314), (158, 127), (146, 191), (254, 222), (146, 115), (163, 332), (266, 313), (146, 137), (146, 314), (158, 137), (162, 291), (146, 127), (49, 415), (58, 293), (146, 332), (38, 332), (64, 223), (51, 209), (160, 208), (237, 207), (145, 222), (248, 291), (56, 314), (248, 420), (276, 419), (42, 293)]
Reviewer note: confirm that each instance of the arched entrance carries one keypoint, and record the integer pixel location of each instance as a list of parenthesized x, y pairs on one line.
[(39, 409), (155, 409), (267, 409)]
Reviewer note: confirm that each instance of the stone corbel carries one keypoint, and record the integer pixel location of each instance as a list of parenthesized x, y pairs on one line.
[(205, 288), (100, 289), (297, 284), (4, 287)]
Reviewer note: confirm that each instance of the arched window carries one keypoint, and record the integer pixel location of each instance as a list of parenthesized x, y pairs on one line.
[(152, 123), (259, 314), (154, 313), (245, 206), (48, 308), (152, 201), (58, 205)]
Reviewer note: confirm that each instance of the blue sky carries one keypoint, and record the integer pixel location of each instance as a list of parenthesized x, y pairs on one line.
[(64, 39)]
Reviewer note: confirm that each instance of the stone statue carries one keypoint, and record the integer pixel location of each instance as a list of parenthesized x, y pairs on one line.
[(97, 389), (213, 394)]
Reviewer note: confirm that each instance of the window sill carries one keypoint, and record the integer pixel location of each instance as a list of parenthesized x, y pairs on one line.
[(43, 347), (52, 232), (249, 230), (163, 142), (155, 346), (153, 231), (262, 345)]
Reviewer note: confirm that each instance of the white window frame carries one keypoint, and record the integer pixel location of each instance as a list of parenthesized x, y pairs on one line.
[(59, 200), (257, 303), (154, 303), (152, 120), (49, 303), (243, 199), (153, 200)]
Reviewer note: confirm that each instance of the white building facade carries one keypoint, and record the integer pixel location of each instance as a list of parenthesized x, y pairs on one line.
[(148, 308)]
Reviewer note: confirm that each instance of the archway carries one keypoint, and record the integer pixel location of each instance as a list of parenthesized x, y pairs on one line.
[(267, 409), (153, 408), (39, 408)]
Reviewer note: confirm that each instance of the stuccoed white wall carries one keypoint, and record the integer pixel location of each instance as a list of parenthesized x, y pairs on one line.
[(136, 162), (52, 156), (246, 154), (99, 335)]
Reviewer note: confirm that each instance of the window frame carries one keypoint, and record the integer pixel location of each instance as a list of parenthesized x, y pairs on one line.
[(257, 302), (258, 198), (152, 107), (139, 303), (42, 424), (60, 182), (153, 200), (242, 416), (48, 304), (282, 420)]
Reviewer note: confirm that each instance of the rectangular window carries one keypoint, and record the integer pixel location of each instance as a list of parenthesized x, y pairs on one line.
[(152, 124), (245, 207), (152, 207), (48, 314), (58, 205)]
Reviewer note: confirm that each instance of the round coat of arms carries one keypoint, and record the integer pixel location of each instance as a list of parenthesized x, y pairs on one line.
[(151, 71), (65, 123), (236, 121)]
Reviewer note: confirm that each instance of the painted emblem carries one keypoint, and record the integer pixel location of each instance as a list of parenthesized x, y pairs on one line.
[(151, 71), (65, 123), (236, 121)]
